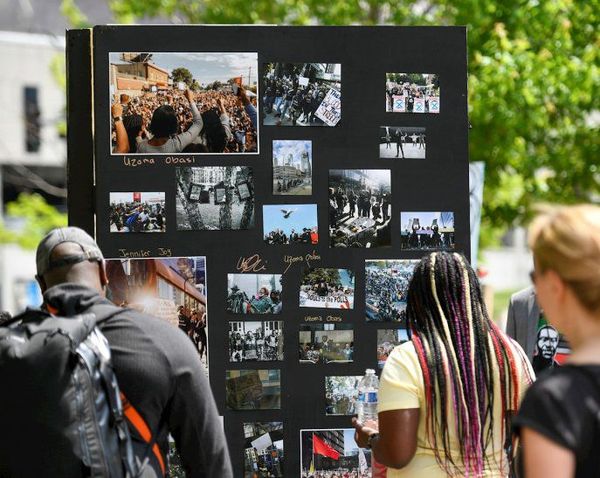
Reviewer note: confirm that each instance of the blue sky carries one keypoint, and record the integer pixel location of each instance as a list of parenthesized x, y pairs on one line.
[(283, 147), (304, 216), (425, 218)]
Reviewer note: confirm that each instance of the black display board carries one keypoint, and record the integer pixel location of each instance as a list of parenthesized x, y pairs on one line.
[(366, 54)]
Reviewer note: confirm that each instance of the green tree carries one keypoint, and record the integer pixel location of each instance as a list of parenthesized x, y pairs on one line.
[(182, 74)]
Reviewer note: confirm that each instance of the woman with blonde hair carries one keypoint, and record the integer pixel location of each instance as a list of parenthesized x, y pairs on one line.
[(559, 421)]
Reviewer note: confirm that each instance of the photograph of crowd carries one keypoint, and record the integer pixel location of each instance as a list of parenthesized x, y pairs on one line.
[(172, 289), (412, 93), (255, 341), (183, 102), (290, 224), (292, 167), (360, 207), (327, 288), (326, 343), (332, 453), (254, 293), (253, 389), (137, 212), (388, 340), (214, 198), (386, 289), (302, 94), (341, 393), (402, 142), (425, 231), (263, 450)]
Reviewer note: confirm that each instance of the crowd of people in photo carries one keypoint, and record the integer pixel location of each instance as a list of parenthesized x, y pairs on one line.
[(340, 403), (176, 121), (327, 351), (306, 236), (341, 473), (400, 137), (263, 302), (284, 185), (322, 291), (137, 217), (255, 345), (193, 323), (411, 91), (347, 203), (386, 295), (427, 238)]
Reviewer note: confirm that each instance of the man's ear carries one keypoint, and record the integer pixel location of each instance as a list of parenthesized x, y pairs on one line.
[(42, 283)]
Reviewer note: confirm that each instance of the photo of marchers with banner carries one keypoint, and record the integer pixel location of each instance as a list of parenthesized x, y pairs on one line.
[(386, 289), (292, 167), (360, 207), (402, 142), (214, 198), (253, 389), (255, 341), (326, 343), (263, 450), (327, 288), (183, 102), (254, 293), (424, 231), (412, 93), (137, 212), (302, 94), (341, 393), (328, 453), (290, 224), (388, 340)]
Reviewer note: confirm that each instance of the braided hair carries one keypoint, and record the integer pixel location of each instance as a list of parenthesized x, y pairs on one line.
[(463, 355)]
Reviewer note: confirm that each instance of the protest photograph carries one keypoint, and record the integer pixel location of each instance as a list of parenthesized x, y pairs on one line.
[(412, 93), (183, 102), (426, 231), (255, 341), (214, 198), (302, 94), (326, 343), (254, 293), (360, 207), (292, 167), (402, 142), (388, 340), (341, 393), (253, 389), (327, 288), (290, 224), (172, 289), (386, 289), (263, 450), (332, 453), (137, 212)]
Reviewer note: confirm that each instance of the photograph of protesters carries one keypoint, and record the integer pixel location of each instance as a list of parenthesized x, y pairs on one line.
[(327, 288), (360, 207), (201, 103), (263, 450), (412, 93), (341, 393), (290, 224), (292, 167), (326, 343), (302, 94), (254, 293), (388, 340), (401, 142), (255, 341), (426, 231), (214, 198), (386, 289), (253, 389), (137, 212)]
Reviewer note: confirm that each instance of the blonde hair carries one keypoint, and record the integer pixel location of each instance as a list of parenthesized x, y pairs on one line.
[(566, 239)]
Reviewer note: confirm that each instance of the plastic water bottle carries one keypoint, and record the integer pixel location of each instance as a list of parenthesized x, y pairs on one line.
[(367, 396)]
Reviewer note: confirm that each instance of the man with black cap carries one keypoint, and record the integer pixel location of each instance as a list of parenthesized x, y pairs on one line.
[(157, 367)]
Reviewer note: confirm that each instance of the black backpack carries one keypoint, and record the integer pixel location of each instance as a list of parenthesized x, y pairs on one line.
[(61, 414)]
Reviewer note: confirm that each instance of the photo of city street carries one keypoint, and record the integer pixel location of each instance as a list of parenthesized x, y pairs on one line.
[(292, 167)]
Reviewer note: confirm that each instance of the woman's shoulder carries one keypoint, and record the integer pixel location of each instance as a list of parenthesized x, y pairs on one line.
[(568, 380)]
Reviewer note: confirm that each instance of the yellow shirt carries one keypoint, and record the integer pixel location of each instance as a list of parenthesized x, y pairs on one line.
[(401, 386)]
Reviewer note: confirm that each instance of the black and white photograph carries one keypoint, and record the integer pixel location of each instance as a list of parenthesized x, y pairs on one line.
[(341, 393), (255, 341), (412, 93), (253, 389), (386, 288), (214, 198), (254, 293), (302, 94), (183, 102), (402, 142), (427, 231), (290, 224), (360, 207), (388, 340), (332, 453), (327, 288), (292, 167), (263, 450), (326, 343), (137, 212)]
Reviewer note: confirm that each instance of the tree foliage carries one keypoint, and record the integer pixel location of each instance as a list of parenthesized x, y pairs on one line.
[(182, 74)]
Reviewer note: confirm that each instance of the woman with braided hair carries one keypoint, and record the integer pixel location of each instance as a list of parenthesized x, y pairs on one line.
[(446, 397)]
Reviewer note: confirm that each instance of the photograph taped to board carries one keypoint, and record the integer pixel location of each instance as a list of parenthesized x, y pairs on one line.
[(402, 142), (285, 224), (327, 288), (254, 293), (412, 93), (137, 212), (388, 340), (263, 453), (426, 231), (326, 343), (253, 389), (292, 167), (255, 341)]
